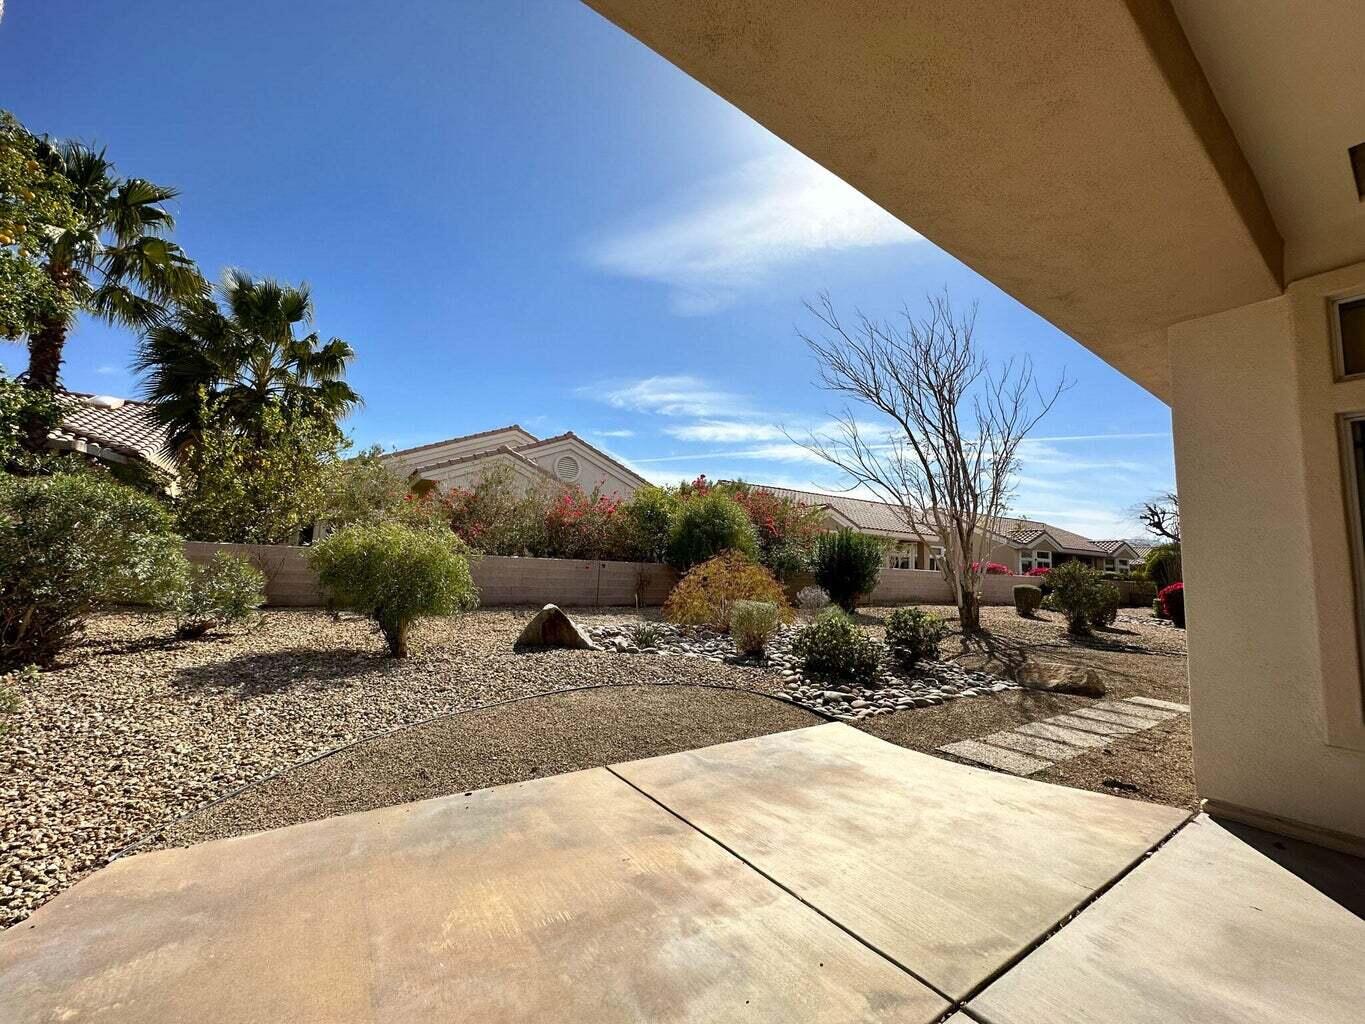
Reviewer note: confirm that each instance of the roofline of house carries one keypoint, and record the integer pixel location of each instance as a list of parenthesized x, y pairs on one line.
[(569, 435), (461, 437)]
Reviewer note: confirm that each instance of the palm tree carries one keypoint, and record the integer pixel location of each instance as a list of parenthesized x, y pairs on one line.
[(240, 358), (113, 263)]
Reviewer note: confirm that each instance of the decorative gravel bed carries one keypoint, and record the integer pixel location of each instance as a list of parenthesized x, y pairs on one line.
[(137, 729), (930, 683)]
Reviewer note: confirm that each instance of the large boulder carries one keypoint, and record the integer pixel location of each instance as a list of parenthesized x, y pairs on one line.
[(1055, 677), (552, 628)]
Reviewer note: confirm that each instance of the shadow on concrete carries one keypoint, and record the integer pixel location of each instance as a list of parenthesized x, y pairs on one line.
[(1338, 876)]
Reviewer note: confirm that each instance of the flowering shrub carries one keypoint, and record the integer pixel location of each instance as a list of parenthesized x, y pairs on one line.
[(707, 594), (1037, 572), (786, 529), (992, 569), (1172, 601), (580, 525), (498, 516)]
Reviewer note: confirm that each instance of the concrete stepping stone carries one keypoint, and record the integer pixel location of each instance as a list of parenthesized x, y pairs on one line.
[(1152, 702), (1100, 715), (1035, 745), (1122, 707), (1076, 720), (996, 757), (1075, 737)]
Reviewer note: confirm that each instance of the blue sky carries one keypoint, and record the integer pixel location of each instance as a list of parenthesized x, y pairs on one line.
[(516, 213)]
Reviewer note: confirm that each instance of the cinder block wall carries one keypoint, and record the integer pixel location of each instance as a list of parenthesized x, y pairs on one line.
[(501, 581)]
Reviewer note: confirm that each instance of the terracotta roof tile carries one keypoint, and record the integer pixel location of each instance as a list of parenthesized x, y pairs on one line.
[(120, 425)]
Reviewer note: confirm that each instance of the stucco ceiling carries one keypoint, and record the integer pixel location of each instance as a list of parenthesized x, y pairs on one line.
[(1074, 154), (1290, 76)]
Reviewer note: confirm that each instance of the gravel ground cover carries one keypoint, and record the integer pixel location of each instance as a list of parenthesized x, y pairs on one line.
[(136, 730), (526, 739)]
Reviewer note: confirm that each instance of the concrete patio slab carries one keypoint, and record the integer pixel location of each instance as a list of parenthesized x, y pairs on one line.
[(1074, 720), (1124, 707), (1138, 722), (949, 870), (996, 757), (1223, 924), (1051, 750), (572, 898)]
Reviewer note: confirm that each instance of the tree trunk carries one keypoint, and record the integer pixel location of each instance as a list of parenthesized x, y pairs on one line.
[(44, 371), (968, 609), (396, 636)]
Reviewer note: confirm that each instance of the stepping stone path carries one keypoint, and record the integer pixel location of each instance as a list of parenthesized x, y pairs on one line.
[(1034, 746)]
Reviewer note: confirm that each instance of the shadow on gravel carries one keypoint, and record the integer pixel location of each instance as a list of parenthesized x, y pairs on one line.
[(276, 671)]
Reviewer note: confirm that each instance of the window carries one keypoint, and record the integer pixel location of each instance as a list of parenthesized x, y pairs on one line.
[(1042, 559), (1348, 325), (1026, 563), (1123, 564), (901, 560), (1109, 565), (936, 556)]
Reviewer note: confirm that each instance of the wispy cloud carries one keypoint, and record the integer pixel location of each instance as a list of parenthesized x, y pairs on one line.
[(613, 433), (679, 395), (767, 453), (108, 371), (725, 432), (729, 234)]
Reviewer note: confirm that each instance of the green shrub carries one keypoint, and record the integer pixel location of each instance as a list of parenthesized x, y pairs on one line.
[(69, 544), (648, 520), (834, 646), (812, 599), (847, 565), (395, 575), (1107, 613), (1157, 610), (645, 634), (1027, 600), (706, 525), (1163, 565), (1077, 592), (706, 594), (913, 635), (222, 593), (753, 624)]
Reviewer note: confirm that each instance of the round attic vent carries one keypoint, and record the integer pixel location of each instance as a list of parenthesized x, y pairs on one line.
[(566, 468)]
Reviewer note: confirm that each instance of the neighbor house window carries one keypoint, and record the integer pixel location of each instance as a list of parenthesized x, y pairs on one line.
[(1025, 563), (902, 560), (936, 556), (1123, 564), (1042, 559), (1109, 565)]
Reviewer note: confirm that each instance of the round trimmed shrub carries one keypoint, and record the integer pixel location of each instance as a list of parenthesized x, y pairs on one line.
[(1107, 611), (1163, 565), (395, 575), (753, 624), (707, 594), (1027, 600), (707, 524), (1077, 593), (913, 635), (834, 646), (70, 544), (847, 565)]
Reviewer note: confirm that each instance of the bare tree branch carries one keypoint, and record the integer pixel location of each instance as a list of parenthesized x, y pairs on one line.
[(949, 452), (1160, 516)]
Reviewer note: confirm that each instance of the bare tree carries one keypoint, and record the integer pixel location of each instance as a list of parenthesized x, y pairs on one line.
[(949, 457), (1160, 516)]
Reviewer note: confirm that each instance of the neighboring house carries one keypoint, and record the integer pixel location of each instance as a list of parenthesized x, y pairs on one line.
[(1019, 544), (562, 459), (118, 432)]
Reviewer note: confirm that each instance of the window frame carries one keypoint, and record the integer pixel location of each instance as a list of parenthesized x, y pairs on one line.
[(1334, 305)]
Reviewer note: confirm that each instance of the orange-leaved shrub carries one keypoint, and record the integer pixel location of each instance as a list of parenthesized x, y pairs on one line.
[(705, 596)]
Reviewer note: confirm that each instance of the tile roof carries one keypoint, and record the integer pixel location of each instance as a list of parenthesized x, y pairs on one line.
[(487, 453), (119, 425), (1029, 531), (461, 437)]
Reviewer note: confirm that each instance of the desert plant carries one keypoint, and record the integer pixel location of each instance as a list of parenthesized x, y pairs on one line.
[(395, 575), (834, 646), (69, 544), (1107, 611), (1027, 600), (707, 524), (786, 529), (847, 565), (645, 634), (753, 624), (1172, 601), (913, 635), (1077, 593), (812, 599), (705, 595), (498, 515), (222, 593), (648, 519)]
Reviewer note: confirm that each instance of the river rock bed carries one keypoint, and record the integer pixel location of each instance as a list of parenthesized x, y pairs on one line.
[(928, 684)]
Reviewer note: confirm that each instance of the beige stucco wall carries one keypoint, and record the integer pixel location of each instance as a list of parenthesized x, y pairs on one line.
[(1275, 683), (429, 456), (594, 472)]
